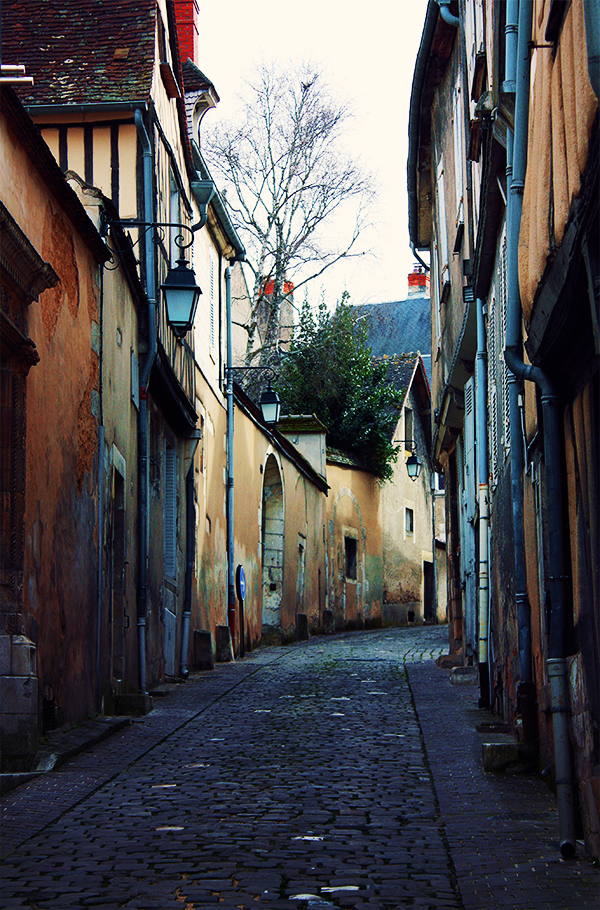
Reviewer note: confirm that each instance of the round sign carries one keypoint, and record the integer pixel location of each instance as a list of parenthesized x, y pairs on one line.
[(241, 582)]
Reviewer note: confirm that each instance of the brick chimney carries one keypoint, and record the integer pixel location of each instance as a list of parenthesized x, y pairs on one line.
[(186, 17), (418, 282)]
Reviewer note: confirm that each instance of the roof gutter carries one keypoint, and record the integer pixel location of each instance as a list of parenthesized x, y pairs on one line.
[(41, 110)]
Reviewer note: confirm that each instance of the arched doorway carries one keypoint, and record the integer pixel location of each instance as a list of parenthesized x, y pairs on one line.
[(272, 544)]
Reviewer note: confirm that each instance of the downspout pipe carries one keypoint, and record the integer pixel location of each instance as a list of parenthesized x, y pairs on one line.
[(446, 15), (101, 503), (481, 425), (143, 417), (190, 549), (231, 599), (552, 449)]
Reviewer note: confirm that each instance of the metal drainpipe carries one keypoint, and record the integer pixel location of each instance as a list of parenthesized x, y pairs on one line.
[(143, 423), (552, 450), (190, 544), (99, 700), (446, 15), (526, 691), (231, 601), (481, 418)]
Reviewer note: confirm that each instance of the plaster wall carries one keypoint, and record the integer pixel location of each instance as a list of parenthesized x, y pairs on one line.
[(562, 111), (62, 443), (407, 543), (354, 511), (209, 604), (299, 582)]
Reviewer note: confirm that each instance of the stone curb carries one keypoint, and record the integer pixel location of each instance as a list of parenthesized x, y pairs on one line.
[(63, 745)]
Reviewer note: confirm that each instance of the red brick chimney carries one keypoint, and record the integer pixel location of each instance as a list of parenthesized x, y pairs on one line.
[(186, 17), (418, 282)]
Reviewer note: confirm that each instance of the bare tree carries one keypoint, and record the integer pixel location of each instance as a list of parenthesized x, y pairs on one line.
[(285, 176)]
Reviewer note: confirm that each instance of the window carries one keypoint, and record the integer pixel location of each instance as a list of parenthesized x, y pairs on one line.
[(498, 374), (458, 125), (351, 549), (409, 521), (441, 219)]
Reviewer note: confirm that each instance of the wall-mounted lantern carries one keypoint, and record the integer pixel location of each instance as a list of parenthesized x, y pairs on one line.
[(181, 295)]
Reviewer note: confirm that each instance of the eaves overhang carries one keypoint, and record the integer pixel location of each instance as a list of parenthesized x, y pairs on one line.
[(20, 259), (491, 212), (168, 393), (434, 52), (449, 417)]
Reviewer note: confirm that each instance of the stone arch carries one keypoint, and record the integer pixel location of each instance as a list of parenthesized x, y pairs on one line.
[(273, 528)]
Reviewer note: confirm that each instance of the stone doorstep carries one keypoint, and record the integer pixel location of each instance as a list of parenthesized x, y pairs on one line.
[(506, 754), (448, 661), (464, 676)]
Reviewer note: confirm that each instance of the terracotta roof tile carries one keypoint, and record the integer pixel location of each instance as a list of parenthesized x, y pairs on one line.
[(81, 51)]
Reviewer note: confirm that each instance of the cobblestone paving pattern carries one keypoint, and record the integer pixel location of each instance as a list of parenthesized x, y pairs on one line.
[(340, 773)]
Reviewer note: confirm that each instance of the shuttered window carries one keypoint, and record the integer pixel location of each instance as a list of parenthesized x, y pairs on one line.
[(498, 409), (212, 301), (469, 452), (170, 513)]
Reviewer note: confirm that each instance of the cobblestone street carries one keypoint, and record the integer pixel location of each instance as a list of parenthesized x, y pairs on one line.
[(340, 773)]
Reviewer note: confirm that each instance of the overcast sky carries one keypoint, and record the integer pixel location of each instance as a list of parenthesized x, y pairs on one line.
[(367, 51)]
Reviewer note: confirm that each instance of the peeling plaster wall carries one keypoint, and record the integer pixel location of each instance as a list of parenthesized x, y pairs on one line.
[(61, 496), (354, 510), (301, 575), (209, 603), (562, 111)]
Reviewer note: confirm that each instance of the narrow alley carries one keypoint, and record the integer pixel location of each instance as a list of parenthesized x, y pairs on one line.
[(341, 772)]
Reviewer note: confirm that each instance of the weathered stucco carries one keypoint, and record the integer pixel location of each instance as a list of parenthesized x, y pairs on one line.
[(562, 111)]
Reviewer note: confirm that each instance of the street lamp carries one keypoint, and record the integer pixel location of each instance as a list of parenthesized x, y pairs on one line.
[(413, 466), (270, 405), (413, 463), (181, 295), (179, 287)]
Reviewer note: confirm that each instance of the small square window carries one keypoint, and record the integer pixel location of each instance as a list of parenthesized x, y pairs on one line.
[(351, 548), (410, 521)]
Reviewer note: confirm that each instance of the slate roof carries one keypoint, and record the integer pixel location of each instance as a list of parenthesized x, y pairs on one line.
[(81, 51), (194, 79), (399, 327), (400, 369)]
